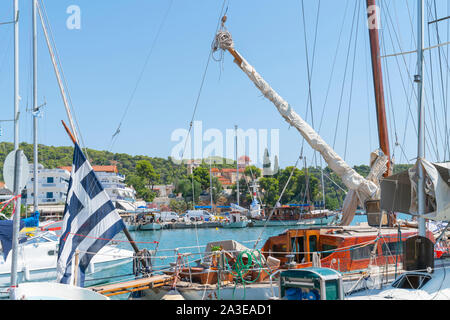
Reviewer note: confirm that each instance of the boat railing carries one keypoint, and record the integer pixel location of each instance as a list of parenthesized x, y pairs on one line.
[(271, 282)]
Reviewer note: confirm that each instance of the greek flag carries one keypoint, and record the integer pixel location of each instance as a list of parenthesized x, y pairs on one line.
[(90, 222)]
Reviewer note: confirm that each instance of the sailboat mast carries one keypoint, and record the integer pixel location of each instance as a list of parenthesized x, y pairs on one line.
[(237, 167), (16, 75), (421, 117), (383, 136), (210, 184), (18, 153), (35, 108)]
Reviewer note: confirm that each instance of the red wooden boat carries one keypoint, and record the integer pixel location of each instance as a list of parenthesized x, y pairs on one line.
[(345, 249)]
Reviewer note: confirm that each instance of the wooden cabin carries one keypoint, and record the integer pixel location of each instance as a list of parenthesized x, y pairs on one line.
[(296, 213), (344, 249)]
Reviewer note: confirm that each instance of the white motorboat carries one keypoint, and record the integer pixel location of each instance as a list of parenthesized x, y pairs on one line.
[(413, 285), (55, 291), (37, 259)]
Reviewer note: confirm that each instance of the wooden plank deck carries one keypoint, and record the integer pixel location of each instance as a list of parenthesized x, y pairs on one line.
[(115, 289)]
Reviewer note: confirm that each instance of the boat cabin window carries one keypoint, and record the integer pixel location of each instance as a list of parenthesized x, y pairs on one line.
[(327, 249), (298, 249), (277, 251), (361, 253), (312, 245), (411, 281), (393, 248)]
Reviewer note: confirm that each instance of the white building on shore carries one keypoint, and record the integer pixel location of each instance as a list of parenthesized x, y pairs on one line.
[(52, 186), (123, 197)]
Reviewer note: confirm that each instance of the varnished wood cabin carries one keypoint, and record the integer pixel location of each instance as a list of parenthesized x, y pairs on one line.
[(337, 246)]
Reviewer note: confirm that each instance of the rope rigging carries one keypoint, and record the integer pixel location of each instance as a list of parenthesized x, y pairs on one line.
[(141, 74)]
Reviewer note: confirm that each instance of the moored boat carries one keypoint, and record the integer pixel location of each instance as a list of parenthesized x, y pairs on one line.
[(236, 221), (295, 216), (38, 262)]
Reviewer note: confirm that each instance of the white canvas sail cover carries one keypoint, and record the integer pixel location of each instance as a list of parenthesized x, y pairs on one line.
[(399, 192), (365, 189)]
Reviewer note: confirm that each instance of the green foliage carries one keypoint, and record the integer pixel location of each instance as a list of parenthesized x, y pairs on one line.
[(201, 175), (252, 172), (270, 187), (184, 186), (178, 206), (145, 170)]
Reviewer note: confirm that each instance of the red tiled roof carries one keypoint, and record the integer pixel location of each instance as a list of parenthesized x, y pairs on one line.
[(232, 170), (224, 181), (112, 169)]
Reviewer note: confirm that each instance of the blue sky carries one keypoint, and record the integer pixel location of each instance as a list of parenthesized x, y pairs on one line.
[(103, 60)]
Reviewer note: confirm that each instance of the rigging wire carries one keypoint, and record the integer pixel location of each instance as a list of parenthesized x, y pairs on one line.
[(345, 76), (279, 199), (351, 83), (141, 75), (210, 55), (63, 77), (333, 67)]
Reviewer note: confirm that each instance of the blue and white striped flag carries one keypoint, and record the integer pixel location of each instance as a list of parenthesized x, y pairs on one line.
[(90, 221)]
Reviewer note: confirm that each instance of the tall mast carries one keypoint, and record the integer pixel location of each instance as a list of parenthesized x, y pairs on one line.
[(16, 75), (18, 153), (35, 108), (383, 135), (210, 184), (421, 117), (237, 167)]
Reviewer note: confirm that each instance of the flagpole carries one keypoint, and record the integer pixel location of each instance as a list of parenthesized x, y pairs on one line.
[(125, 230)]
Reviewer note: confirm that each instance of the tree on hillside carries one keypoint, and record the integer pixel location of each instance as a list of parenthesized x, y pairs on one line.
[(201, 175), (145, 170), (142, 192), (270, 187), (184, 186), (252, 172)]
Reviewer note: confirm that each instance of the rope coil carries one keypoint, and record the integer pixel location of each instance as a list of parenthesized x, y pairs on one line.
[(223, 40)]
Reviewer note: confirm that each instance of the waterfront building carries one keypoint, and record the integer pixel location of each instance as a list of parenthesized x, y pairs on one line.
[(52, 186), (122, 196)]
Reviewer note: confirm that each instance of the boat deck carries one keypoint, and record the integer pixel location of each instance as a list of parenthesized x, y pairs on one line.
[(115, 289)]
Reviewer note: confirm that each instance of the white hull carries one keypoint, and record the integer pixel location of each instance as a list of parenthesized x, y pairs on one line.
[(257, 291), (251, 292), (435, 287), (37, 262), (55, 291), (150, 226), (235, 225)]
